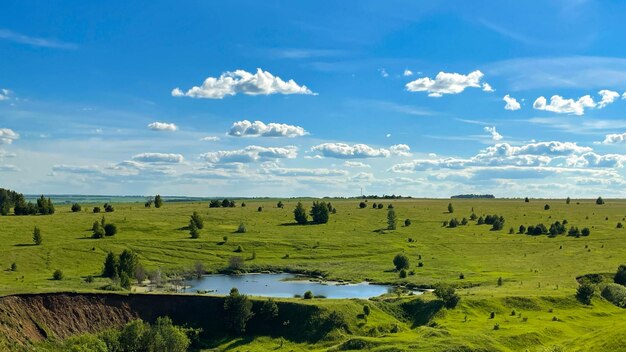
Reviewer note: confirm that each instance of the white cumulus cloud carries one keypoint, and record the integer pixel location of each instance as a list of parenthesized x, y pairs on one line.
[(355, 164), (240, 81), (446, 83), (608, 97), (407, 73), (400, 149), (346, 151), (487, 88), (494, 134), (561, 105), (7, 136), (250, 154), (615, 138), (159, 158), (162, 126), (511, 103), (259, 129)]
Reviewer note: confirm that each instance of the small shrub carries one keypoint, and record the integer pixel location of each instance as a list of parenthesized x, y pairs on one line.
[(362, 205), (241, 228), (76, 208), (110, 230), (57, 275), (402, 274), (492, 315), (366, 310), (259, 209), (420, 264), (407, 222), (546, 207), (500, 281), (37, 238), (13, 266), (462, 276), (496, 326), (96, 209), (308, 295), (239, 249)]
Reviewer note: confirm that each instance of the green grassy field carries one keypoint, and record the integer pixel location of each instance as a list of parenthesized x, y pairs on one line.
[(539, 273)]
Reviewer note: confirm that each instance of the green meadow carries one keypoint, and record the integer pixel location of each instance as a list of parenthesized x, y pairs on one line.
[(538, 272)]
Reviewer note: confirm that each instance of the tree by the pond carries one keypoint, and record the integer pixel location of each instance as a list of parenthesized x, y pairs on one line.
[(447, 294), (238, 309), (401, 261)]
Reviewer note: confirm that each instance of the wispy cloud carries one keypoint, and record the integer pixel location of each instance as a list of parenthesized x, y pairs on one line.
[(12, 36)]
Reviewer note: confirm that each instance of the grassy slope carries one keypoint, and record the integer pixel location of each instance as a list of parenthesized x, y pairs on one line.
[(350, 248)]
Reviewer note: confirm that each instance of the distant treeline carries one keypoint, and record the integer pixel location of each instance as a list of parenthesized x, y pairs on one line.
[(474, 196), (384, 196), (11, 199)]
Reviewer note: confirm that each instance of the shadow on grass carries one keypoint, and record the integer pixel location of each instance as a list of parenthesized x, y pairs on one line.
[(24, 245)]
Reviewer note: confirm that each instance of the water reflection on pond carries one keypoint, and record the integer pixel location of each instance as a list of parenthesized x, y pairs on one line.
[(283, 285)]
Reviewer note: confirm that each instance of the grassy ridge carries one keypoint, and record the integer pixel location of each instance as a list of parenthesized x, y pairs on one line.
[(353, 247)]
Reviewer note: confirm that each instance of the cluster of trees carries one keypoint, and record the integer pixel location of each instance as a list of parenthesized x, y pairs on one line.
[(195, 225), (496, 221), (11, 199), (108, 208), (320, 213), (137, 336), (101, 228), (556, 228), (226, 203), (122, 267), (447, 294), (157, 201)]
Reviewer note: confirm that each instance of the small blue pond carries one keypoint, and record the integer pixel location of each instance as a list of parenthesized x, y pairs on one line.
[(283, 285)]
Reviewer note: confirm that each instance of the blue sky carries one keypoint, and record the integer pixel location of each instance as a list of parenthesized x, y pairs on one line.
[(314, 98)]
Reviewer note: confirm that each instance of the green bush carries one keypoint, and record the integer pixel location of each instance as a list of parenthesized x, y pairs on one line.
[(615, 294), (57, 275), (401, 261), (110, 230)]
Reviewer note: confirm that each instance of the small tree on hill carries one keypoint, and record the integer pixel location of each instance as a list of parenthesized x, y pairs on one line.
[(585, 292), (299, 213), (401, 261), (238, 309), (193, 230), (391, 219), (158, 202), (197, 219), (37, 238)]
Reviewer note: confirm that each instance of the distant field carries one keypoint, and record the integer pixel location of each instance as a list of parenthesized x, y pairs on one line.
[(354, 246)]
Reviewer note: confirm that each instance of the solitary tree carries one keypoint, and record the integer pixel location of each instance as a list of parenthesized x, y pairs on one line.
[(197, 220), (110, 230), (158, 202), (599, 201), (362, 205), (238, 310), (76, 207), (391, 219), (280, 204), (401, 261), (526, 200), (450, 208), (193, 230), (37, 239), (585, 292), (620, 276), (546, 207), (300, 214), (128, 262), (568, 200)]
